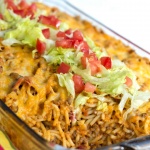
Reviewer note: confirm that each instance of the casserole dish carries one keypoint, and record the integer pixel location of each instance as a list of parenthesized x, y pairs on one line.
[(19, 132)]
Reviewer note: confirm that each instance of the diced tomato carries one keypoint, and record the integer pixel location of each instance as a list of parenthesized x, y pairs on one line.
[(1, 17), (64, 43), (61, 34), (128, 81), (83, 46), (106, 62), (93, 62), (46, 33), (31, 10), (94, 69), (89, 87), (11, 4), (1, 148), (23, 4), (64, 35), (68, 32), (40, 46), (49, 20), (78, 83), (77, 35), (83, 61), (20, 12), (92, 57), (63, 68)]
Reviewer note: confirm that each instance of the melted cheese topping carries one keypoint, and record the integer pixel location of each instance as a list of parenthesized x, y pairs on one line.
[(30, 88)]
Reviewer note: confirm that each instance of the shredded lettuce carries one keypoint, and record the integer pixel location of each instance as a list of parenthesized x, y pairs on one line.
[(3, 25), (65, 80), (8, 15), (98, 50), (63, 26), (140, 98), (111, 81), (10, 41), (26, 31), (56, 55), (80, 100)]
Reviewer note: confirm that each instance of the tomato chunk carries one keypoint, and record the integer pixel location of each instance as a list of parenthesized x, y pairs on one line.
[(77, 35), (1, 16), (64, 43), (21, 13), (46, 33), (40, 46), (11, 4), (63, 68), (23, 4), (49, 20), (128, 81), (106, 62), (89, 87), (78, 83), (61, 34), (93, 61)]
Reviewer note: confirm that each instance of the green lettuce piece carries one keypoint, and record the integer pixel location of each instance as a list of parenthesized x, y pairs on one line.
[(56, 55), (63, 26), (65, 80), (98, 51), (139, 98), (80, 100), (111, 81), (8, 15), (26, 31), (3, 25)]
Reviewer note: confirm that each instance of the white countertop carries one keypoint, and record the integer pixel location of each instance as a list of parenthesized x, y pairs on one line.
[(130, 18)]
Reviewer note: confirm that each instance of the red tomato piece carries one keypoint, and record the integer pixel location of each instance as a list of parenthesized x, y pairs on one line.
[(94, 69), (11, 4), (106, 62), (31, 10), (20, 12), (23, 4), (89, 87), (61, 34), (93, 61), (68, 32), (49, 20), (128, 81), (63, 68), (83, 61), (64, 43), (1, 17), (78, 83), (46, 33), (77, 35), (83, 46), (40, 46), (1, 148)]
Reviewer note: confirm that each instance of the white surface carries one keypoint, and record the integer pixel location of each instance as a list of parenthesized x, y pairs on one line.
[(130, 18)]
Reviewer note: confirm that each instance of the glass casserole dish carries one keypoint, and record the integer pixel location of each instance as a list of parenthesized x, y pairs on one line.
[(21, 134)]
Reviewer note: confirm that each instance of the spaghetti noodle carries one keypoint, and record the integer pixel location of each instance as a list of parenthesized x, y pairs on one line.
[(31, 88)]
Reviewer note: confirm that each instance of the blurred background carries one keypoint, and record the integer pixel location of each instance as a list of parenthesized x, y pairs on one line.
[(130, 18)]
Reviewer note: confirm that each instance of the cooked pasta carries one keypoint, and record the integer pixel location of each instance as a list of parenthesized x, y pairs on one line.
[(30, 86)]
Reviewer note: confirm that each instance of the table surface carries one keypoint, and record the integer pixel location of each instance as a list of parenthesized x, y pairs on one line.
[(128, 18)]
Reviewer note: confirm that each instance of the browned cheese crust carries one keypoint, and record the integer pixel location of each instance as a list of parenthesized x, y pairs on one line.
[(30, 88)]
